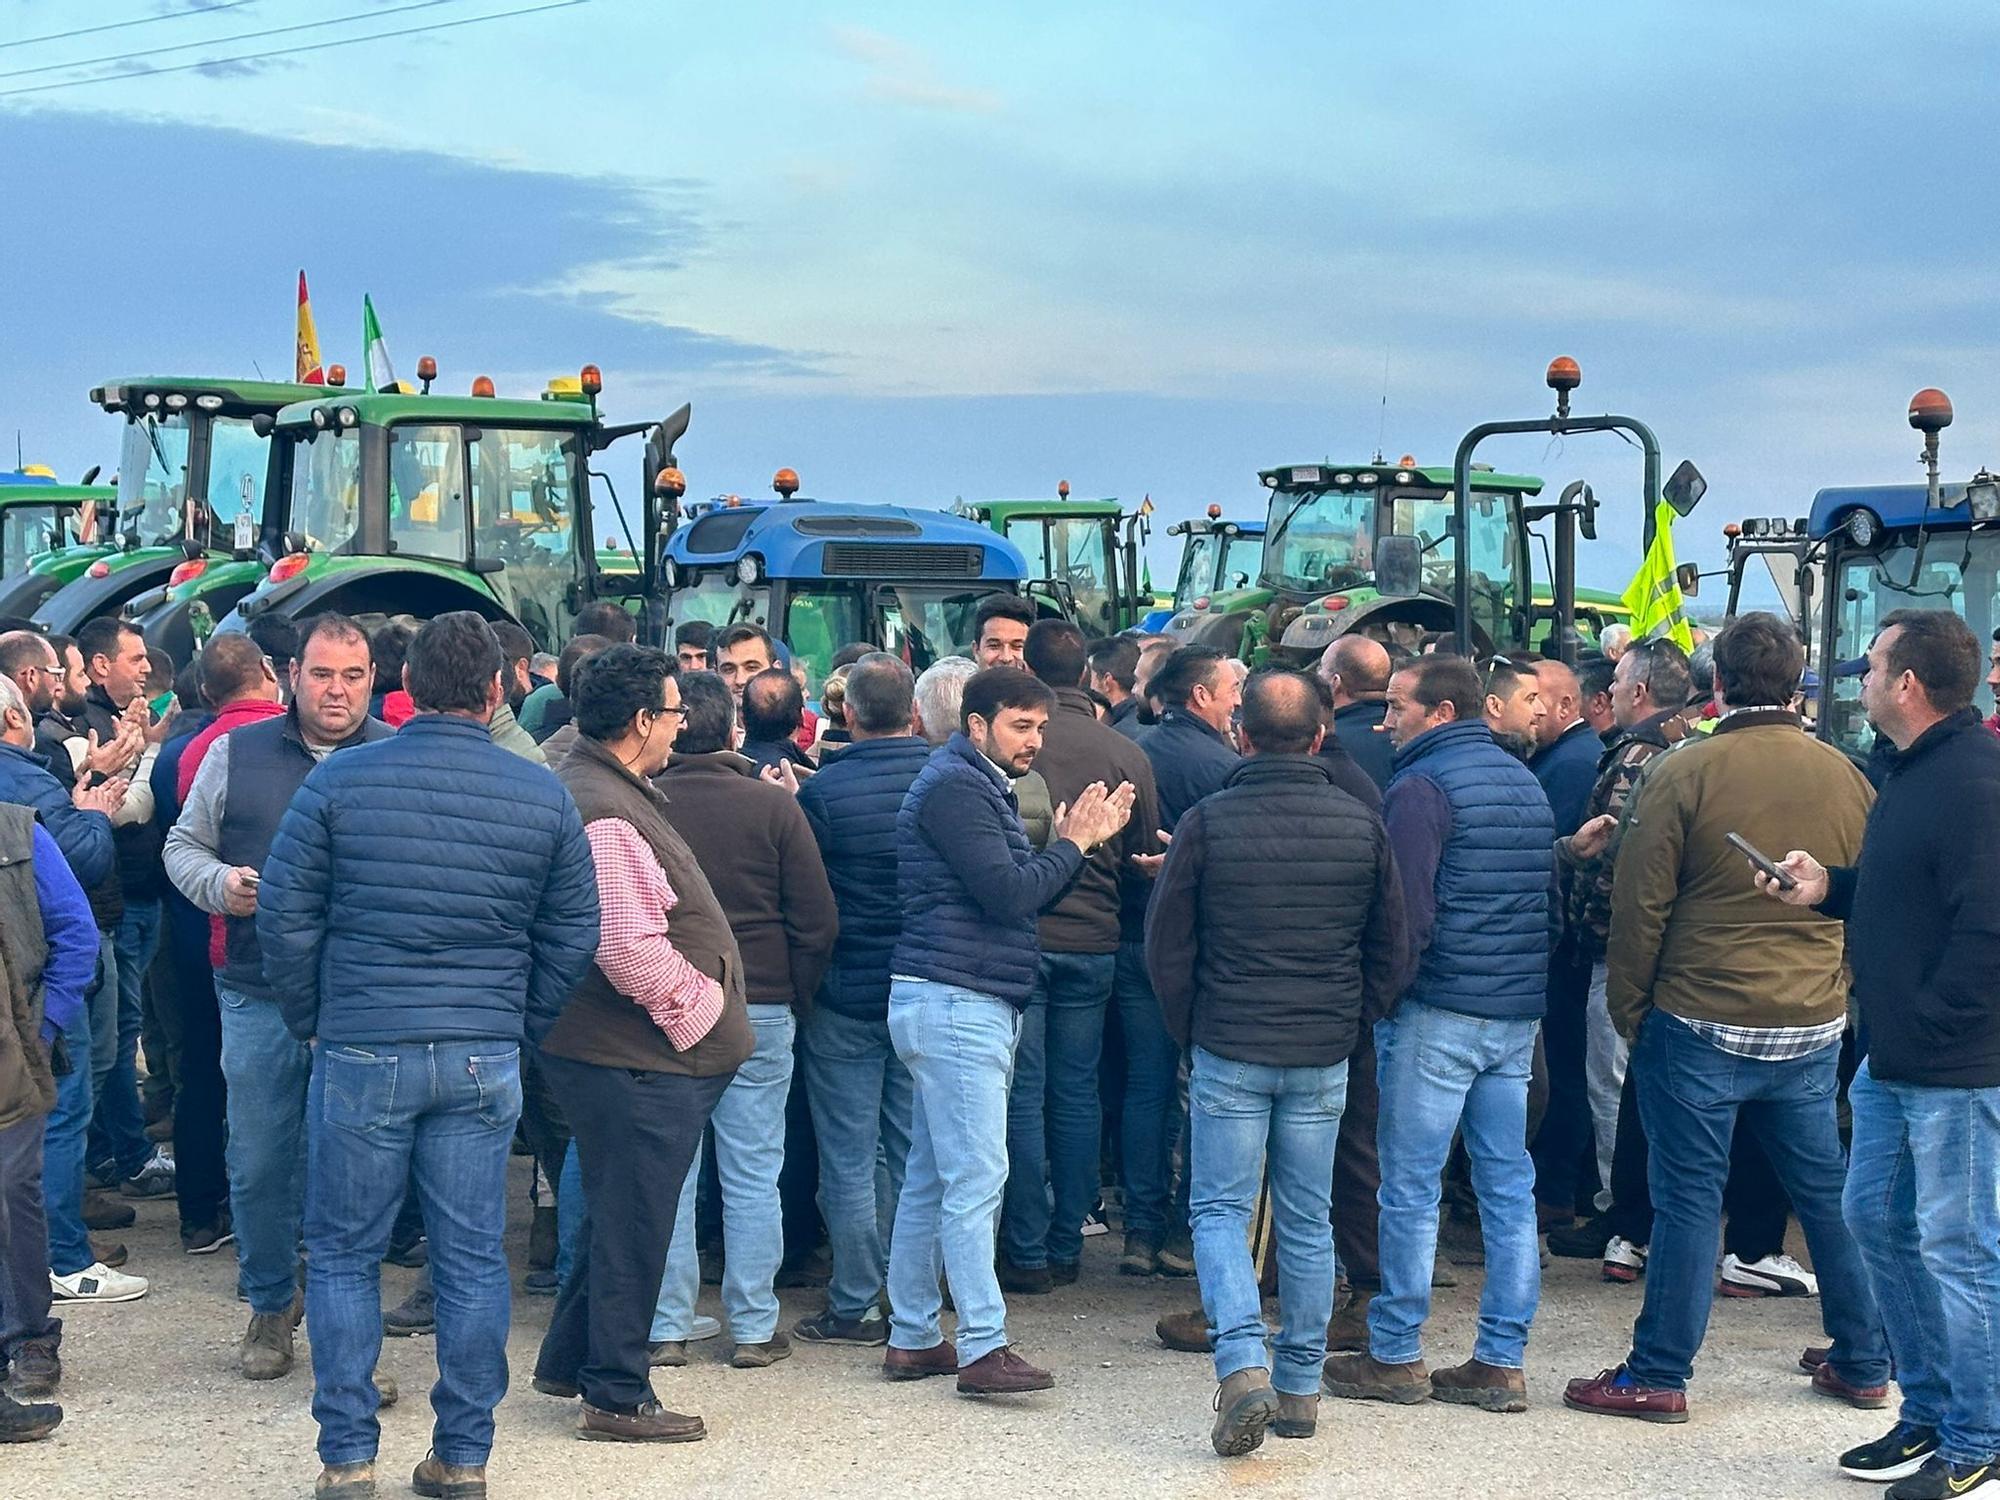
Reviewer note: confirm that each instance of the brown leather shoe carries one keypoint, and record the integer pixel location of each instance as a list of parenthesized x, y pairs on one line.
[(1827, 1381), (108, 1255), (1814, 1356), (345, 1482), (1298, 1416), (651, 1423), (1244, 1406), (919, 1364), (1604, 1394), (1347, 1330), (101, 1211), (436, 1480), (1357, 1377), (1488, 1387), (1002, 1372), (1185, 1331), (762, 1356)]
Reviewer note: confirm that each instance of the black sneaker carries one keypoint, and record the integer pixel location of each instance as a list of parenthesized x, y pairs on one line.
[(830, 1328), (36, 1366), (1896, 1456), (1940, 1479), (206, 1239), (416, 1313), (24, 1423), (1584, 1240), (413, 1256), (1023, 1281)]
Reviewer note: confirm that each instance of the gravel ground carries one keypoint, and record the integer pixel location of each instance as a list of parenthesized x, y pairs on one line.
[(155, 1408)]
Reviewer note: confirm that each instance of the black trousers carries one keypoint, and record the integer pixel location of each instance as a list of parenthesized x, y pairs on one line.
[(1357, 1170), (636, 1134), (184, 982), (1565, 1147)]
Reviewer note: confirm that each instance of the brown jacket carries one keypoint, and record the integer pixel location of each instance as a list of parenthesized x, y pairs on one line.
[(1690, 933), (761, 859), (27, 1088), (599, 1025), (1076, 750)]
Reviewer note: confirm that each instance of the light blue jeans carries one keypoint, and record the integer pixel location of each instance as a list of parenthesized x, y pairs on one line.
[(1442, 1072), (749, 1129), (861, 1098), (1244, 1112), (959, 1047), (1923, 1202), (266, 1071)]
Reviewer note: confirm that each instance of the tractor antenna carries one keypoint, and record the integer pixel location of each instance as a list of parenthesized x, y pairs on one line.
[(1382, 430), (19, 462), (258, 368)]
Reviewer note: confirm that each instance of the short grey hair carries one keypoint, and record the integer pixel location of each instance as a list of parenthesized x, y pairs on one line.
[(878, 694), (940, 691), (13, 700)]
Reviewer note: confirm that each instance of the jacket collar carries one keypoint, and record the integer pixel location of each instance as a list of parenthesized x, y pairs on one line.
[(1948, 728), (245, 711), (1254, 769), (370, 728), (97, 698), (585, 752), (710, 763), (1580, 726), (885, 744), (1187, 720), (1375, 708), (1660, 729), (1757, 718), (33, 756), (1458, 732), (1075, 700), (1122, 710), (966, 751), (446, 724)]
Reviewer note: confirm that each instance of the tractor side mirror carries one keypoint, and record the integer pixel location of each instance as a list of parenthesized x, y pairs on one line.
[(1399, 566), (263, 424), (1684, 488), (1687, 578)]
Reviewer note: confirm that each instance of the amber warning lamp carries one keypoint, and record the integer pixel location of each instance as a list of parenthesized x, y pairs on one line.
[(1062, 490), (1215, 512), (482, 385), (1930, 414), (427, 371), (336, 374), (1563, 377), (670, 482), (786, 482)]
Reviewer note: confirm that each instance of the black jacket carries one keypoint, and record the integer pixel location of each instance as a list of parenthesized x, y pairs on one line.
[(1076, 751), (1190, 760), (1358, 728), (1277, 924), (1923, 912)]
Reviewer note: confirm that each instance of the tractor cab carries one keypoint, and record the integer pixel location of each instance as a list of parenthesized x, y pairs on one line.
[(1085, 558), (1217, 557), (1776, 550), (39, 517)]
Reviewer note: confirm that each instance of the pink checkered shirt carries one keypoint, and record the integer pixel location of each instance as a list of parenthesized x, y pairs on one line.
[(633, 949)]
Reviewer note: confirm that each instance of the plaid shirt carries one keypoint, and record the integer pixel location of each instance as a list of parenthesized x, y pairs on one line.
[(1768, 1043), (633, 950)]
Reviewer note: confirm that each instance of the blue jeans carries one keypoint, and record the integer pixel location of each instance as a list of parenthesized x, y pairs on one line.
[(959, 1047), (1443, 1073), (120, 1121), (1923, 1201), (1152, 1115), (265, 1073), (62, 1157), (1693, 1097), (861, 1098), (1242, 1112), (373, 1113), (749, 1129), (101, 1003), (1054, 1125)]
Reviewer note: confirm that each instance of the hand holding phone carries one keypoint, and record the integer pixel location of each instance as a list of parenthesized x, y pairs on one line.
[(1763, 862)]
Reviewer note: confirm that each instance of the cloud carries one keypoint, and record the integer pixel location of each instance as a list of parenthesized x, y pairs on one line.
[(899, 73)]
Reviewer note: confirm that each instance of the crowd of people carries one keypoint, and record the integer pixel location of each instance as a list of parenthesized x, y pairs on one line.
[(1308, 973)]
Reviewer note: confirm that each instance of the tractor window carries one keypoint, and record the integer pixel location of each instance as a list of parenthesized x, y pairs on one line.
[(718, 598), (27, 531), (1428, 518), (923, 624), (1197, 567), (1240, 563), (524, 513), (818, 622), (1082, 556), (1030, 534), (237, 463), (326, 490), (427, 492), (152, 477), (1321, 539)]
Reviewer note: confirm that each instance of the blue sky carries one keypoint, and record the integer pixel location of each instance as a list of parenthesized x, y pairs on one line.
[(925, 251)]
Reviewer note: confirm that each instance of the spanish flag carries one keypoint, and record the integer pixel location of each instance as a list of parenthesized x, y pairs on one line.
[(308, 371), (1654, 595)]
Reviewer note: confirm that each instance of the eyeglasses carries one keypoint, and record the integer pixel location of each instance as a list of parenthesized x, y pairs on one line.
[(56, 672), (677, 711)]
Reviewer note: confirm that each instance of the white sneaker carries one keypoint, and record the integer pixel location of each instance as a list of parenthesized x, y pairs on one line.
[(1773, 1276), (703, 1327), (1623, 1260), (1093, 1223), (97, 1282)]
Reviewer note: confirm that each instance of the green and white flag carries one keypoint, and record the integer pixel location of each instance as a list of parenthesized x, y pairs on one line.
[(374, 352)]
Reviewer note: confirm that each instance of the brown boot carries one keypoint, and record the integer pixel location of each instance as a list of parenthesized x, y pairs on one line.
[(1357, 1377), (919, 1364), (1347, 1330), (101, 1211), (345, 1482), (1298, 1416), (442, 1481), (1002, 1372), (651, 1423), (266, 1353), (1488, 1387), (1244, 1407), (1185, 1331)]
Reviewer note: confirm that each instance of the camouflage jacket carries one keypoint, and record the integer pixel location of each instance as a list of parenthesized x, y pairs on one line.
[(1588, 887)]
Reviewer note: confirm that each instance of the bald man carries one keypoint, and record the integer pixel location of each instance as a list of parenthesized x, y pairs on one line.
[(1356, 667)]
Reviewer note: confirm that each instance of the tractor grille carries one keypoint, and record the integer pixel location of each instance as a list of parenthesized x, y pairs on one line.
[(889, 560), (855, 526)]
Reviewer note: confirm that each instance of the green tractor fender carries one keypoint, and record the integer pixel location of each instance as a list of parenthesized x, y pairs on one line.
[(369, 589), (1308, 631)]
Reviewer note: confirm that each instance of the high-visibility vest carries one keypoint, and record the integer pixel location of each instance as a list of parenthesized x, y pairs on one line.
[(1654, 595)]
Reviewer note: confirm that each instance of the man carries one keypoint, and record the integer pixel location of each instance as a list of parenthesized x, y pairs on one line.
[(1923, 942), (773, 709), (516, 647), (1277, 926), (1000, 629), (1735, 1007), (860, 1091), (1593, 678), (1514, 708), (1567, 749), (1356, 667), (1054, 1123), (1472, 834), (741, 652), (641, 1053), (48, 951), (962, 971), (558, 732), (542, 669), (1198, 697), (415, 994), (1616, 640), (939, 692), (1113, 662), (114, 656), (691, 643), (757, 850), (278, 635), (237, 778), (1152, 656)]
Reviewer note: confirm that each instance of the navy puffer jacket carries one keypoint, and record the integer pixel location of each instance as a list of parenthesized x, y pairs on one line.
[(970, 883), (852, 805), (83, 837), (429, 887)]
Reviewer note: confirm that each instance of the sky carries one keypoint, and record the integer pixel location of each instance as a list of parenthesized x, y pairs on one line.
[(919, 252)]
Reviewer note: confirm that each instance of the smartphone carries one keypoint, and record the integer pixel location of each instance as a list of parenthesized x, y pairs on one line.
[(253, 880), (159, 705), (1762, 861)]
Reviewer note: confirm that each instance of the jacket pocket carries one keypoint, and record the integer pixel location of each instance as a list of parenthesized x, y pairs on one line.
[(359, 1091), (498, 1078)]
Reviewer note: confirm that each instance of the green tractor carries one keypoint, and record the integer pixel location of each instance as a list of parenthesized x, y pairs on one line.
[(191, 486), (412, 503), (1085, 557), (39, 516)]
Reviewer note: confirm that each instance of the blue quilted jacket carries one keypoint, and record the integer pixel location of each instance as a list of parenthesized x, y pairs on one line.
[(424, 888), (971, 885), (83, 837), (852, 805)]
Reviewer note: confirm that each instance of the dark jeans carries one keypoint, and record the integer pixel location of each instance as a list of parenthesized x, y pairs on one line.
[(1357, 1171), (24, 1237), (201, 1172), (448, 1108), (1565, 1144), (118, 1133), (636, 1135), (1053, 1121), (1151, 1116), (1692, 1093)]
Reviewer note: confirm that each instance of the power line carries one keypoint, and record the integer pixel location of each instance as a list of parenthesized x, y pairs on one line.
[(172, 15), (227, 41), (350, 41)]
